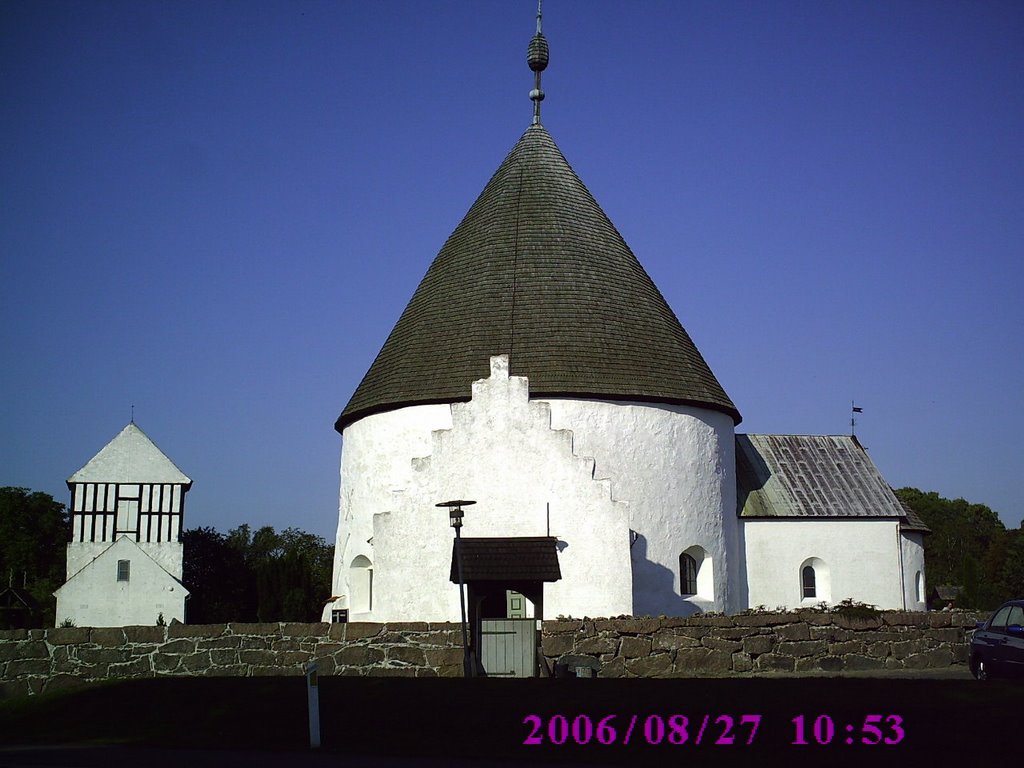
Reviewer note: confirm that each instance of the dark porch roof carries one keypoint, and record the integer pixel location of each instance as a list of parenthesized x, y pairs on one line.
[(508, 559)]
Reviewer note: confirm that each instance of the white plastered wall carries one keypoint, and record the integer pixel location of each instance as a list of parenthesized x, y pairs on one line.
[(93, 597), (675, 465), (861, 556), (530, 465), (913, 568), (168, 554)]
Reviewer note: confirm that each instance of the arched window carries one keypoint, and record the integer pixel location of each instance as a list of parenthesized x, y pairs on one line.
[(919, 581), (808, 582), (696, 574), (360, 583), (815, 581), (687, 574)]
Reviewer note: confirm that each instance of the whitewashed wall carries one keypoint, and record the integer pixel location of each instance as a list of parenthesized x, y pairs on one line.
[(665, 472), (913, 564), (94, 597), (168, 554), (675, 465), (863, 559)]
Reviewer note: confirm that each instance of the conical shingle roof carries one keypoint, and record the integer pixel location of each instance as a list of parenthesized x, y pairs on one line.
[(537, 271)]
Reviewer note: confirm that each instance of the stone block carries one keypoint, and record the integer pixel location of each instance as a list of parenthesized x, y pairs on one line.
[(615, 668), (258, 658), (596, 644), (63, 683), (107, 637), (906, 648), (758, 644), (13, 634), (762, 619), (67, 635), (556, 645), (829, 664), (439, 657), (794, 632), (223, 656), (294, 658), (140, 667), (357, 630), (179, 646), (145, 634), (360, 671), (14, 689), (450, 670), (426, 672), (326, 648), (311, 629), (231, 670), (827, 633), (805, 664), (666, 641), (731, 633), (359, 655), (104, 655), (742, 662), (850, 646), (878, 650), (960, 653), (892, 663), (409, 626), (440, 638), (162, 663), (225, 641), (718, 644), (325, 665), (774, 662), (803, 648), (856, 623), (407, 655), (285, 644), (29, 649), (716, 621), (938, 618), (254, 643), (207, 631), (905, 618), (702, 660), (948, 635), (936, 657), (658, 665), (197, 661), (634, 647), (19, 667), (856, 662)]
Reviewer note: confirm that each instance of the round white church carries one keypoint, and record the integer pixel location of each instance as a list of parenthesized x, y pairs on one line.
[(538, 371)]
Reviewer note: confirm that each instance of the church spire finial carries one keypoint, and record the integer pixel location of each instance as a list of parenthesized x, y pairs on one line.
[(537, 58)]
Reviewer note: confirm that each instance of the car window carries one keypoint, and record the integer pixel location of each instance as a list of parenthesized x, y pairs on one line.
[(999, 620), (1016, 615)]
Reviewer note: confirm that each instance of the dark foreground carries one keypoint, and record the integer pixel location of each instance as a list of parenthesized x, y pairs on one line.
[(427, 722)]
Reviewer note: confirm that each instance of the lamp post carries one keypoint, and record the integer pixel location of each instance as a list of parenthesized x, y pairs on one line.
[(455, 515)]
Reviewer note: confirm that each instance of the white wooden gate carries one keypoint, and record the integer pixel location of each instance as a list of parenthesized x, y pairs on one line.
[(508, 647)]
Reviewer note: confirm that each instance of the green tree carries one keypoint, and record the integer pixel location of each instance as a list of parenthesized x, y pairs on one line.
[(34, 532), (968, 547)]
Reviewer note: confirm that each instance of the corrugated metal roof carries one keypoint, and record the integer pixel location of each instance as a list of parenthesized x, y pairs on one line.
[(536, 271), (813, 476), (526, 558)]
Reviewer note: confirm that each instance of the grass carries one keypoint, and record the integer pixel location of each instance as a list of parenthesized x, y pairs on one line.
[(444, 718)]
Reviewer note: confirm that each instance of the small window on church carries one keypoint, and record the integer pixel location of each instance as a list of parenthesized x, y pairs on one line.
[(124, 569), (339, 616), (807, 577), (687, 574)]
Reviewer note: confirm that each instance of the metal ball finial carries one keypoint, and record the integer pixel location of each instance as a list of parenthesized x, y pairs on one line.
[(537, 59)]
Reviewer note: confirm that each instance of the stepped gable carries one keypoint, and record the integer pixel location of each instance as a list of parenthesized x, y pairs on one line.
[(538, 272)]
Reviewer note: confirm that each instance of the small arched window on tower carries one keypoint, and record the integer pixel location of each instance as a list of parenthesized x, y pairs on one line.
[(687, 574), (919, 583), (360, 582), (696, 574)]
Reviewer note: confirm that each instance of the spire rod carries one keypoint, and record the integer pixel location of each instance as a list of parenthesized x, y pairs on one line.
[(537, 58)]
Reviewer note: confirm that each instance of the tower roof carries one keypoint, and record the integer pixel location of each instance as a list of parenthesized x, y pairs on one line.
[(131, 457), (537, 271)]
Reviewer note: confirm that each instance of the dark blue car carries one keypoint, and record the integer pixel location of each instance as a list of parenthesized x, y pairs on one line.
[(997, 647)]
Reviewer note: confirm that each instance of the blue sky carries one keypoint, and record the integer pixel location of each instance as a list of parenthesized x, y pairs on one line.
[(216, 211)]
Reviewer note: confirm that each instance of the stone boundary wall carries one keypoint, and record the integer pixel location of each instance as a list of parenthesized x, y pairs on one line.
[(37, 660), (803, 641)]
